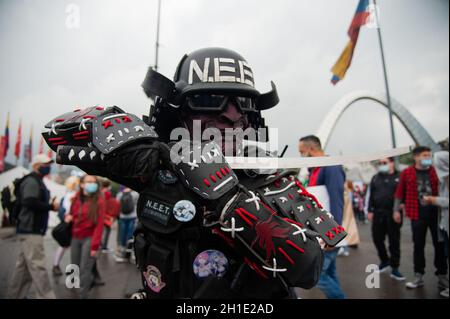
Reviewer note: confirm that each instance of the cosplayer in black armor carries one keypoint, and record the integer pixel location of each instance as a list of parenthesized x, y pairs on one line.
[(205, 231)]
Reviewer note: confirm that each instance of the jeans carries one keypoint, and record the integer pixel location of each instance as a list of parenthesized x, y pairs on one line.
[(329, 282), (126, 229), (81, 256), (419, 230), (105, 237), (383, 224)]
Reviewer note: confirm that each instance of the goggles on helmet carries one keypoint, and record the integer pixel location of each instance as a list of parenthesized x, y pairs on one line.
[(216, 102)]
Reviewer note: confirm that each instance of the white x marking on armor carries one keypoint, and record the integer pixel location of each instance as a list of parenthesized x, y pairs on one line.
[(299, 231), (193, 165), (254, 199), (233, 228), (110, 138), (274, 269)]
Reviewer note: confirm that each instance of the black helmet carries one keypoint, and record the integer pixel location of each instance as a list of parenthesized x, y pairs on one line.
[(206, 71), (209, 70), (215, 69)]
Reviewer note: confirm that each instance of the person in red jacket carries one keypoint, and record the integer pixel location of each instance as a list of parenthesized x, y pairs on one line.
[(87, 214), (416, 183)]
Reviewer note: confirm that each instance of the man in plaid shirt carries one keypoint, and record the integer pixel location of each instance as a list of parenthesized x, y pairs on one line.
[(416, 182)]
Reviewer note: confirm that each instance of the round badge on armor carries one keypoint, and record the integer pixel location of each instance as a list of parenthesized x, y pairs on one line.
[(153, 278), (184, 211), (210, 263)]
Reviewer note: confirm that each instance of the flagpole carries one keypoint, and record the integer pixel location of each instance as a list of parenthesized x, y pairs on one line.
[(157, 36), (386, 82)]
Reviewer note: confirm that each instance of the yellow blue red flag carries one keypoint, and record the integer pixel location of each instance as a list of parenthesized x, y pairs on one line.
[(343, 63)]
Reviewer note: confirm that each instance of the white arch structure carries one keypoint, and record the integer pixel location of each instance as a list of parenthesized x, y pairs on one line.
[(418, 133)]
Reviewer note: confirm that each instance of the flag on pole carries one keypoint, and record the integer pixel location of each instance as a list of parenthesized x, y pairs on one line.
[(2, 153), (361, 18), (19, 141), (41, 146), (6, 142), (29, 148)]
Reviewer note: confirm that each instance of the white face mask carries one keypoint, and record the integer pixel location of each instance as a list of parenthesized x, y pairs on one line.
[(384, 168)]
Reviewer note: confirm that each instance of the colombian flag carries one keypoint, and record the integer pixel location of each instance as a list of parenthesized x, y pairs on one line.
[(6, 145), (343, 63)]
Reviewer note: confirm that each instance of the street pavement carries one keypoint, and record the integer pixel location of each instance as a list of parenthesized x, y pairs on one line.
[(121, 279)]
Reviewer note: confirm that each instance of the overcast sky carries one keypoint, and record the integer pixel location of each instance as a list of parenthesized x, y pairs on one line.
[(47, 68)]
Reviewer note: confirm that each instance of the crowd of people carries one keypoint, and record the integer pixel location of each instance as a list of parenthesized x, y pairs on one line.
[(90, 208), (419, 193)]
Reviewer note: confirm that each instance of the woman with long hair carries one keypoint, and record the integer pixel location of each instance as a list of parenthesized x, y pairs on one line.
[(87, 213)]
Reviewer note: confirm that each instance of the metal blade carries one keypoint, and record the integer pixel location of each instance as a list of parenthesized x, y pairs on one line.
[(287, 163)]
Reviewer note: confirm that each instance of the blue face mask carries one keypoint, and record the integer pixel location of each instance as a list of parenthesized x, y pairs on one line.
[(91, 188), (383, 169), (44, 170), (427, 162)]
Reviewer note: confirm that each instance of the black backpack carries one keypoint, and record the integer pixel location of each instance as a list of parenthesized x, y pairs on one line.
[(127, 203), (11, 199)]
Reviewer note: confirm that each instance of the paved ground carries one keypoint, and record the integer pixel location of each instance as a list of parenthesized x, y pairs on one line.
[(121, 279)]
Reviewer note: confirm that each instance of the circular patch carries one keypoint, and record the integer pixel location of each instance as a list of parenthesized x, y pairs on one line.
[(210, 263), (153, 279), (184, 211)]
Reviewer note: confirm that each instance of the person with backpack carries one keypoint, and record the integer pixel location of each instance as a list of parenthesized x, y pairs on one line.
[(33, 206), (128, 201), (72, 184), (87, 214)]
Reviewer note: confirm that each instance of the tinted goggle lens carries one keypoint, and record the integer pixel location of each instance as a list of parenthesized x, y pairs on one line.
[(201, 102)]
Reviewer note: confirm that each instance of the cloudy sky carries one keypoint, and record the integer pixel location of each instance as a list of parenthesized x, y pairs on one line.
[(48, 67)]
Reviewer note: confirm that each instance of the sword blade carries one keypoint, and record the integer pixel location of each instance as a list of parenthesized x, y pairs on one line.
[(287, 163)]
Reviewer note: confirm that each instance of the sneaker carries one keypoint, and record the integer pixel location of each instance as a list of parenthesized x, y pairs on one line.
[(120, 259), (106, 251), (343, 252), (418, 282), (444, 293), (443, 282), (56, 271), (397, 275), (383, 267)]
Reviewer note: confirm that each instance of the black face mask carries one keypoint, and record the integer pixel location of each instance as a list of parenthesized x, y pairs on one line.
[(44, 170)]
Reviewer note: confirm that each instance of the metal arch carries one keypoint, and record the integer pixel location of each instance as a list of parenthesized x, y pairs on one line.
[(418, 133)]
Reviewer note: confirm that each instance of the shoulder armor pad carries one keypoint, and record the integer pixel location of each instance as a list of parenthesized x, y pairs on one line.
[(113, 131), (74, 128), (203, 169)]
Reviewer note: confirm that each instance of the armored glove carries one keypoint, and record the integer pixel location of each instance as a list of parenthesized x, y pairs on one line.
[(106, 141)]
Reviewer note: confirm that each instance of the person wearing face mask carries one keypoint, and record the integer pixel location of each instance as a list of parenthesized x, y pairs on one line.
[(87, 214), (416, 183), (381, 203), (31, 228), (333, 178)]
